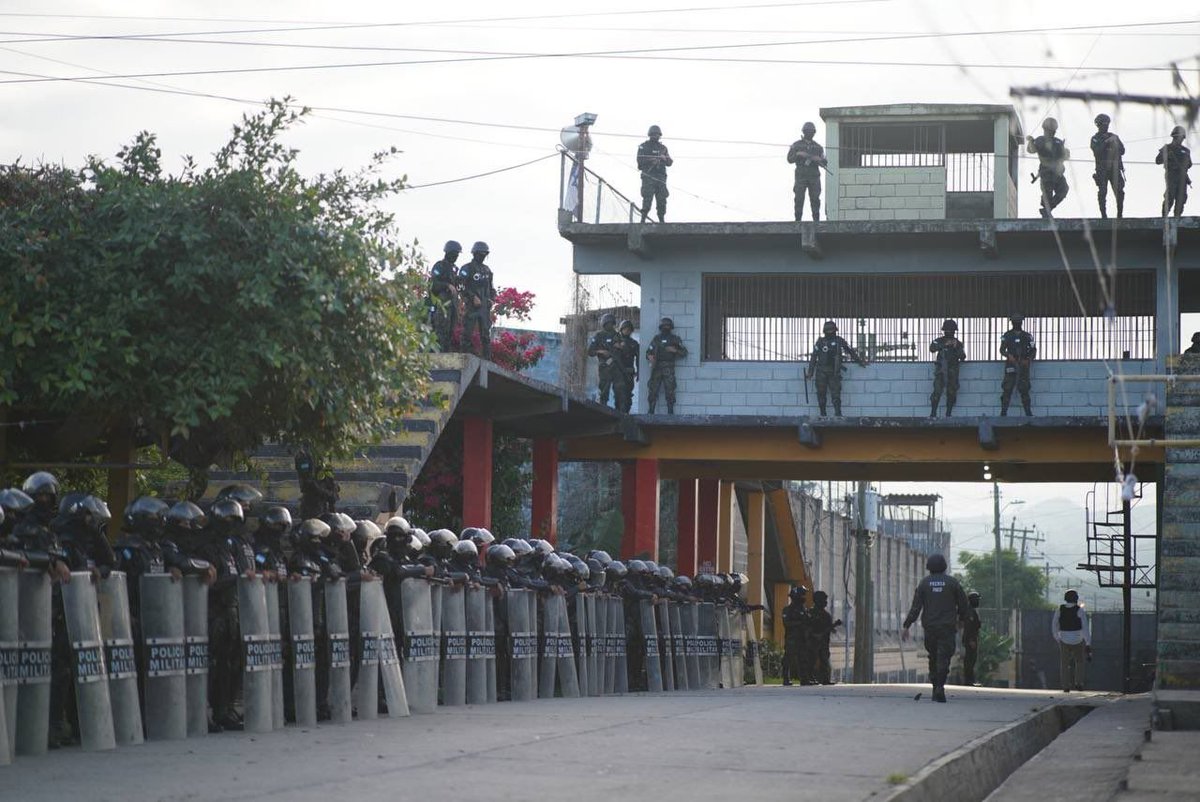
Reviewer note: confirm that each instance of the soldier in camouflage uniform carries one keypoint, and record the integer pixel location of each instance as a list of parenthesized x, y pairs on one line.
[(443, 295), (827, 363), (603, 346), (809, 158), (664, 349), (1108, 149)]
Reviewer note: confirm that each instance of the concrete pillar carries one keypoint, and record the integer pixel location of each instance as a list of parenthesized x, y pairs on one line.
[(725, 528), (833, 189), (707, 514), (545, 489), (756, 510), (1000, 175), (477, 472), (686, 551), (1178, 591), (639, 504)]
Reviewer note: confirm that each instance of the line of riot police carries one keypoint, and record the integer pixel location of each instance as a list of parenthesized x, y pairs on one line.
[(236, 618)]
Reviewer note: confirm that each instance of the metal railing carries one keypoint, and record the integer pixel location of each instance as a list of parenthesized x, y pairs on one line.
[(590, 198)]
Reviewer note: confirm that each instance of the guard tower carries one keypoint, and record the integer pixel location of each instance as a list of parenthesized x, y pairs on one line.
[(910, 161)]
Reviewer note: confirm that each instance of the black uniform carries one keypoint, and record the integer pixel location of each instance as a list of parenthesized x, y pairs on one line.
[(1107, 148), (796, 656), (808, 157), (827, 363), (319, 492), (628, 353), (443, 301), (1018, 350), (971, 627), (950, 354), (940, 602), (662, 367), (603, 346), (1051, 152), (653, 159), (478, 294), (1177, 160)]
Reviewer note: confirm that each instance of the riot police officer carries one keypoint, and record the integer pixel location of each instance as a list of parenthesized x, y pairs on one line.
[(604, 346), (443, 295), (226, 548), (662, 353), (796, 623), (949, 355), (1107, 148), (1018, 350), (653, 159), (827, 363), (478, 294), (809, 158), (1052, 155), (628, 353), (971, 627), (269, 554), (940, 603)]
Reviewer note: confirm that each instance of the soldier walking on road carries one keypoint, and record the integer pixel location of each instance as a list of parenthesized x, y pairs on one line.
[(1018, 350), (950, 355), (653, 159), (603, 346), (940, 603), (827, 362), (1176, 160), (478, 294), (1052, 155), (1108, 149), (664, 349), (809, 158), (628, 353), (443, 295)]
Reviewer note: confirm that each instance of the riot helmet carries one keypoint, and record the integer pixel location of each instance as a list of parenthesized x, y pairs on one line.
[(1178, 131), (98, 515), (276, 520), (935, 564), (798, 592), (665, 574), (313, 530), (808, 128), (146, 516), (829, 328), (973, 598), (500, 555), (615, 570), (599, 555), (365, 533), (520, 548), (582, 570), (397, 526), (341, 525), (441, 543), (452, 246), (654, 131), (541, 548), (682, 583), (466, 553), (480, 537), (1049, 126), (15, 503), (638, 568), (43, 488), (243, 494), (651, 566), (1102, 119), (625, 324), (666, 324), (608, 319), (480, 249), (422, 537), (184, 516), (596, 573), (949, 325), (226, 514)]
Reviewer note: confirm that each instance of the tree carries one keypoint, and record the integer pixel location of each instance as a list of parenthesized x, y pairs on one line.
[(1024, 585), (221, 307)]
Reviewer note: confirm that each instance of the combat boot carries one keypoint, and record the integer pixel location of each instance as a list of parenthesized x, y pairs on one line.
[(1028, 411), (837, 411), (1103, 209), (949, 409), (933, 410)]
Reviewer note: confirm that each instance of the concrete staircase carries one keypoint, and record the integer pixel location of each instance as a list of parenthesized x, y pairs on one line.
[(375, 481)]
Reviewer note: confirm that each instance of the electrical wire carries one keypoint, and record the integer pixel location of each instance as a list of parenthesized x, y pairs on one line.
[(481, 175)]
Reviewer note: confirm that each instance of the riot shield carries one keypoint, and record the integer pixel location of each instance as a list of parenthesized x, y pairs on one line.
[(454, 646), (567, 668), (678, 650), (304, 651), (523, 645), (581, 644), (666, 648), (489, 647), (10, 660), (690, 616), (257, 657), (737, 645), (196, 656), (112, 594), (275, 631), (337, 626), (479, 646), (620, 643), (165, 657), (547, 626), (366, 687), (389, 657), (420, 665), (751, 648), (599, 634), (88, 669), (710, 674), (651, 654)]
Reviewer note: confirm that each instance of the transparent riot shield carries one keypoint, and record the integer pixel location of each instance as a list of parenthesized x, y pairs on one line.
[(257, 657), (420, 665), (620, 645), (547, 626), (165, 657), (710, 672), (666, 649), (567, 668), (678, 651), (366, 686), (389, 656), (479, 646), (652, 660), (523, 644), (303, 651), (196, 654), (690, 615), (119, 657), (10, 660), (454, 646), (275, 642), (89, 671), (337, 627)]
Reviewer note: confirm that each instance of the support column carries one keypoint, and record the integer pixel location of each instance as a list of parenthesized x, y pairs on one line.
[(725, 528), (639, 503), (686, 551), (545, 489), (477, 472), (707, 514), (756, 530)]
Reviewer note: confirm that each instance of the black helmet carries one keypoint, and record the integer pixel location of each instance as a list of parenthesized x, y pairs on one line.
[(600, 556), (829, 327), (552, 566), (441, 543), (608, 319), (1071, 596), (973, 598), (654, 131), (615, 570), (313, 530), (184, 516), (226, 512), (1016, 318), (935, 564), (596, 573), (949, 325), (665, 573), (807, 127), (15, 502), (98, 514), (820, 598), (479, 536), (651, 566), (397, 526), (625, 323), (365, 533), (146, 515), (1103, 118), (244, 495), (451, 246), (480, 247), (501, 555), (276, 520), (666, 323), (638, 567), (43, 488), (682, 583), (798, 592), (341, 525), (71, 505), (466, 553)]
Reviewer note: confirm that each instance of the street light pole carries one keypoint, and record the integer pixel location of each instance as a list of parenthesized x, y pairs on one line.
[(996, 531)]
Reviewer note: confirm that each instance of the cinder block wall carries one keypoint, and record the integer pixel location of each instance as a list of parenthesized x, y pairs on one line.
[(888, 193)]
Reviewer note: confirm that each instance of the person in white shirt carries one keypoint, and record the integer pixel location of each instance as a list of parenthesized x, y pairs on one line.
[(1069, 627)]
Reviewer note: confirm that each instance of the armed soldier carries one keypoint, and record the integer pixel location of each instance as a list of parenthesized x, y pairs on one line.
[(970, 638), (319, 492), (827, 363), (663, 351), (478, 294), (443, 295), (821, 627), (1107, 148), (796, 623), (1052, 155), (949, 355), (1176, 160), (604, 346), (653, 159), (628, 352), (940, 602), (809, 158), (1018, 350)]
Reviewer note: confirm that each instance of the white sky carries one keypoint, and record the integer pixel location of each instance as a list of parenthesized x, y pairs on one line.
[(732, 102)]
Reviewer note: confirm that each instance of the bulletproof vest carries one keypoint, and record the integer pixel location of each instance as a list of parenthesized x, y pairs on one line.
[(1051, 151), (1068, 618), (805, 152), (660, 344), (441, 278), (475, 279), (651, 149), (1019, 343), (828, 351), (139, 557)]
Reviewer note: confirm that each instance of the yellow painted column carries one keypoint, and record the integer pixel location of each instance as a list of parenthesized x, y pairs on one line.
[(725, 528), (756, 532)]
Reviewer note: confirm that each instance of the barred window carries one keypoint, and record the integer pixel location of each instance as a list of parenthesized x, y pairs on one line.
[(964, 148), (893, 318)]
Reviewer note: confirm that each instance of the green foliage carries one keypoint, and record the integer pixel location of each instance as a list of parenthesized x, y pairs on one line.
[(1024, 585), (770, 658), (226, 306), (994, 649)]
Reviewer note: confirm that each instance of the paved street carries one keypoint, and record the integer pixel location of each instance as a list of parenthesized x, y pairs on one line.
[(837, 743)]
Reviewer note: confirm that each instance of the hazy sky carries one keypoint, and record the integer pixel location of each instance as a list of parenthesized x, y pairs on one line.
[(729, 82)]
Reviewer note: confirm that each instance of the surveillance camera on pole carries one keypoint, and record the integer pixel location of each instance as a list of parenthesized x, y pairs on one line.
[(577, 141)]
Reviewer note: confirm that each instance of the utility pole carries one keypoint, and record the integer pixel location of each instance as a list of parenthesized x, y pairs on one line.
[(1031, 536), (999, 591), (864, 596), (1126, 599)]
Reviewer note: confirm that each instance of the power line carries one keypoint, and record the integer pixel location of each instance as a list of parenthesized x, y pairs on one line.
[(481, 175)]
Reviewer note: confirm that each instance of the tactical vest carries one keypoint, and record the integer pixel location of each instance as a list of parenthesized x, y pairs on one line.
[(1068, 618)]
